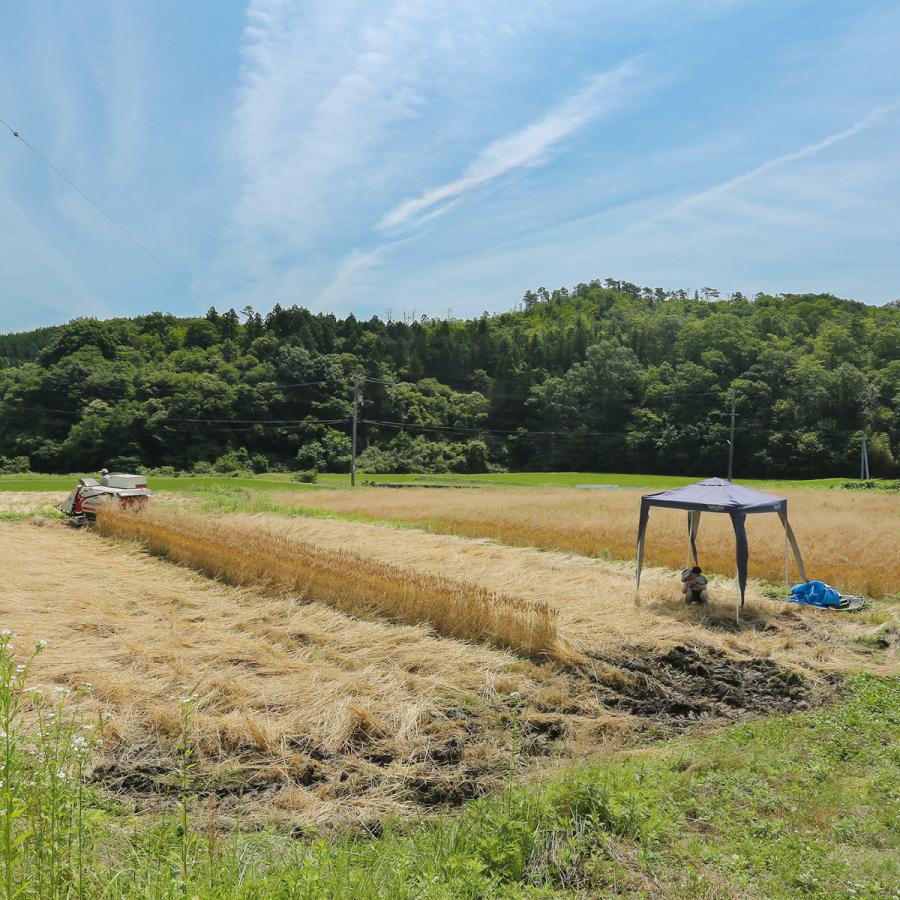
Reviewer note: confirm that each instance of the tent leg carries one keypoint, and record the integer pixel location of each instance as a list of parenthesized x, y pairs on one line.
[(688, 564), (787, 568), (739, 603)]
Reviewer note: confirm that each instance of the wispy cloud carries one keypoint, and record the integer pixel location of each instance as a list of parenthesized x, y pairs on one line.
[(530, 146), (324, 92), (319, 85), (333, 104), (868, 121), (116, 53), (350, 268)]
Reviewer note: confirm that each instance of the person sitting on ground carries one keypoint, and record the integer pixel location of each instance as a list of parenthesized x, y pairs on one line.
[(693, 585)]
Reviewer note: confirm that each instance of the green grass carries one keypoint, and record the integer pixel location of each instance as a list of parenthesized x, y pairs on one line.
[(568, 479), (189, 484), (279, 481)]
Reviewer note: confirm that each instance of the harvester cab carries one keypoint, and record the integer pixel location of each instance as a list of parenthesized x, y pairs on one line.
[(126, 491)]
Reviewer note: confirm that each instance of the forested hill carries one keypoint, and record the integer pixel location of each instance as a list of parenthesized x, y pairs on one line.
[(607, 377)]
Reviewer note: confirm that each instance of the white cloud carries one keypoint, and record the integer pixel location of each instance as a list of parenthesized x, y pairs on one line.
[(868, 121), (352, 265), (339, 105), (529, 146), (320, 87)]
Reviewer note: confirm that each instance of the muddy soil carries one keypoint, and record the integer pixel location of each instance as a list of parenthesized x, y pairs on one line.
[(685, 684)]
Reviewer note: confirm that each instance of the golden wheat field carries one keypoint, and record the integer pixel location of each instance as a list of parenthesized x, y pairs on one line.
[(346, 671), (849, 540)]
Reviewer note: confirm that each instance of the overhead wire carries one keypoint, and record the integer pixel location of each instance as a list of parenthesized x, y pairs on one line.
[(204, 420), (494, 431), (279, 427), (18, 136)]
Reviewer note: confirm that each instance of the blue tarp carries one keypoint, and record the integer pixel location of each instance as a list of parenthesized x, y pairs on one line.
[(815, 593)]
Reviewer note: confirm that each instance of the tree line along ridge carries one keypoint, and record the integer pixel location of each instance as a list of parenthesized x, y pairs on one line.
[(605, 377)]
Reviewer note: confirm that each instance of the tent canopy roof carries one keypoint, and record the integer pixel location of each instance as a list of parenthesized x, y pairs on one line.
[(717, 495)]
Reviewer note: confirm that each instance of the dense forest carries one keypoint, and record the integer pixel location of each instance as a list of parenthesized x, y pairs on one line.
[(606, 377)]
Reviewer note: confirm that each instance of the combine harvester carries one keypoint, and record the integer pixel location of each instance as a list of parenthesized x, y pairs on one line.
[(127, 491)]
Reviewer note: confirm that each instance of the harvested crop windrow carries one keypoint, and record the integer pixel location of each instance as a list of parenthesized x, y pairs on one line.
[(598, 616), (241, 554)]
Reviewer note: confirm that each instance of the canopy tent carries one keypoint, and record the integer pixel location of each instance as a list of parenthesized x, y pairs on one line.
[(721, 496)]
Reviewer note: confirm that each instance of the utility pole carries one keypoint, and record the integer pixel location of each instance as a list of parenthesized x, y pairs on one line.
[(357, 382), (731, 434), (864, 460)]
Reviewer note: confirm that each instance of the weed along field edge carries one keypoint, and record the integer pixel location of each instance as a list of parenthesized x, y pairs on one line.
[(270, 668)]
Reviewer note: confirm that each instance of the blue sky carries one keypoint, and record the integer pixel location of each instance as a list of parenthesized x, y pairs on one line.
[(416, 156)]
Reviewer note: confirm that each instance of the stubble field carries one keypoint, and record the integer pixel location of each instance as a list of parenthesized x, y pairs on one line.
[(345, 672)]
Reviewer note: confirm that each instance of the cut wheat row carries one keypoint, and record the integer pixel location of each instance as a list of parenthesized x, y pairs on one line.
[(243, 555)]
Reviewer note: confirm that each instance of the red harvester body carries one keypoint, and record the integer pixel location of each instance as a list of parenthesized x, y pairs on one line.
[(126, 491)]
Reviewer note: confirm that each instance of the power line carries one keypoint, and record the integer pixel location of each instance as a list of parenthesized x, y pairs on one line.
[(297, 422), (438, 429), (17, 135), (278, 426), (258, 386), (490, 394), (443, 429), (210, 421)]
